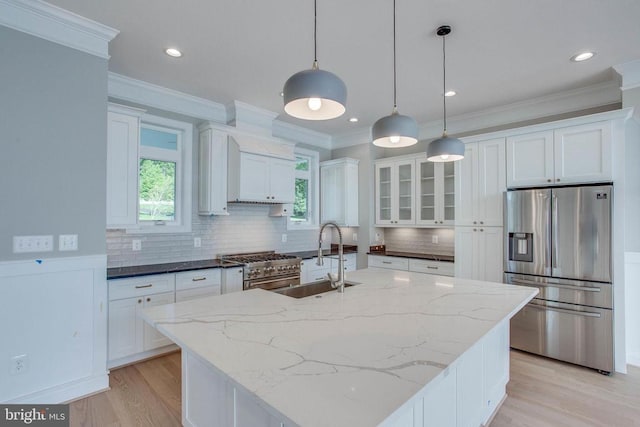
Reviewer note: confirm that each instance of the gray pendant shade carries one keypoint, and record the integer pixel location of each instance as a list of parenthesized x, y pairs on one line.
[(315, 95), (395, 131), (445, 149)]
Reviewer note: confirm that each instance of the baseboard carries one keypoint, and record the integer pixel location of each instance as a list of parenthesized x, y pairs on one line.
[(495, 412), (139, 357), (633, 359), (67, 392)]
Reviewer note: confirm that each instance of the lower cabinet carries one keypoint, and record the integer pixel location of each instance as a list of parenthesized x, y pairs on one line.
[(425, 266), (311, 272), (128, 334), (232, 279), (479, 253)]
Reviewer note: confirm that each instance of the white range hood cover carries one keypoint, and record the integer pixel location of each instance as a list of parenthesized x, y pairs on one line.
[(264, 146)]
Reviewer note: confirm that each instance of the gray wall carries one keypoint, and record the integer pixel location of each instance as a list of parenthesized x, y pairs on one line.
[(53, 130), (631, 98)]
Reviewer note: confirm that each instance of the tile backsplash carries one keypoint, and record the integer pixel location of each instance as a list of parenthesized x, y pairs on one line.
[(420, 240), (247, 228)]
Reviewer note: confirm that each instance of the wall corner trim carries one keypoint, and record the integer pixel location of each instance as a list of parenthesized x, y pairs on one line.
[(52, 23)]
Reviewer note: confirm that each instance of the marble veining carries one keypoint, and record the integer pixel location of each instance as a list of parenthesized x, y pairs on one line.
[(347, 359)]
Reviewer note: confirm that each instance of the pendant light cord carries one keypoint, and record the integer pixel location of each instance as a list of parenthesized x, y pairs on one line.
[(395, 103), (315, 32), (444, 86)]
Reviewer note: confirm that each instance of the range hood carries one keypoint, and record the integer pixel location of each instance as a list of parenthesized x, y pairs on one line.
[(270, 147)]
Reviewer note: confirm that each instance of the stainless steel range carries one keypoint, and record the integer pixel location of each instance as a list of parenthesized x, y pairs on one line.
[(267, 270)]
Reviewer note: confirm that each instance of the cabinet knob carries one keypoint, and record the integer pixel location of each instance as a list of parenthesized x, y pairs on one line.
[(435, 222), (224, 209), (482, 229), (441, 222), (475, 229), (558, 180), (140, 301), (240, 271), (548, 180), (148, 299), (475, 222), (481, 222)]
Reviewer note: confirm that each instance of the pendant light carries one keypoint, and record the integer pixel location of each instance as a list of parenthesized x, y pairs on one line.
[(445, 148), (395, 130), (315, 94)]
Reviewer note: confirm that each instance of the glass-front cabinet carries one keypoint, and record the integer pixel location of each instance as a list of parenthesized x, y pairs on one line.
[(395, 192), (435, 193)]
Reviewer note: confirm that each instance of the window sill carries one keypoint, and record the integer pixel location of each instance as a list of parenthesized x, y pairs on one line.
[(159, 229)]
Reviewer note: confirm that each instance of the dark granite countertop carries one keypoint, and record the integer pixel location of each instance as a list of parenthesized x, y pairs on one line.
[(172, 267), (347, 249), (430, 257)]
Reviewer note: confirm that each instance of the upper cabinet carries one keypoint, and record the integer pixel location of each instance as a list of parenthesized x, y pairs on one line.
[(339, 191), (260, 171), (395, 191), (568, 155), (123, 134), (435, 196), (212, 172), (481, 183)]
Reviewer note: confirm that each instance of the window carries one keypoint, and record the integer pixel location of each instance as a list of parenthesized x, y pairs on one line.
[(305, 207), (164, 175)]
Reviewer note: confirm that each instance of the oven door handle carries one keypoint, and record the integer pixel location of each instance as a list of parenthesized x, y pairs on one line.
[(259, 284), (565, 311), (555, 285)]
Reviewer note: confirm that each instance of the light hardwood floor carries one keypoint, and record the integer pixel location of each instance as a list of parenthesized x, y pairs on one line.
[(541, 393)]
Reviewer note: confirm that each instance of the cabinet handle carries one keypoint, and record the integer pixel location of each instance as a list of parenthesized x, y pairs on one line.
[(140, 301), (144, 286), (432, 268), (198, 279), (387, 262)]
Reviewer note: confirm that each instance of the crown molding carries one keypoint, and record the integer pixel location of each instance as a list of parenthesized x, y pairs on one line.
[(132, 90), (41, 19), (630, 73), (247, 116), (302, 135), (597, 95)]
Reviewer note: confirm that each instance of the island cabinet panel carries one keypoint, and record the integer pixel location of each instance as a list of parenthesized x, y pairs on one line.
[(440, 403)]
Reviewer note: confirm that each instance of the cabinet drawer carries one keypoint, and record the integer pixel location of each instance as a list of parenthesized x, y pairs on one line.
[(431, 267), (394, 263), (196, 293), (137, 286), (198, 279)]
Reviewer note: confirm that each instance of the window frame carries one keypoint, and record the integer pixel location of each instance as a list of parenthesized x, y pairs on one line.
[(313, 196), (183, 160)]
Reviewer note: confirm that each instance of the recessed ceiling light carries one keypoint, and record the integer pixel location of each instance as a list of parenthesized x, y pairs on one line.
[(281, 93), (353, 119), (450, 93), (173, 52), (583, 56)]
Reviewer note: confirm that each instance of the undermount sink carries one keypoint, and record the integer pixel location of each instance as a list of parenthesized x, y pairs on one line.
[(310, 289)]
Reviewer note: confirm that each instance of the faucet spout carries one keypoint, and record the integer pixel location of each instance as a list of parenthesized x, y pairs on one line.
[(339, 282)]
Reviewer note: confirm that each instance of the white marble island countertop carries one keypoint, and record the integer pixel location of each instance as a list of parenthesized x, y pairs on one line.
[(347, 359)]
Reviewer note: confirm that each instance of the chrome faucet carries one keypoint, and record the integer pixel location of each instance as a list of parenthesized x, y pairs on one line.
[(338, 282)]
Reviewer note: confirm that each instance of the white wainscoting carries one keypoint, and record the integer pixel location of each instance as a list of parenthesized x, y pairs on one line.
[(54, 311), (632, 301)]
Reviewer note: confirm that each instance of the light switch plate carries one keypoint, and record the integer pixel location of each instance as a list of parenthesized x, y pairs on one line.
[(68, 242), (136, 245), (434, 239), (284, 238), (197, 242)]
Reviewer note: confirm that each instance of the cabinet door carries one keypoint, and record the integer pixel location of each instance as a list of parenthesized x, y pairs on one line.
[(254, 179), (125, 329), (384, 194), (447, 194), (427, 207), (122, 169), (530, 159), (405, 191), (489, 265), (232, 279), (212, 173), (492, 182), (466, 183), (153, 338), (333, 194), (466, 255), (282, 180), (196, 293), (583, 153)]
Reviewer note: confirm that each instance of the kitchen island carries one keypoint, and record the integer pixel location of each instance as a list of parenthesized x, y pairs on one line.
[(399, 349)]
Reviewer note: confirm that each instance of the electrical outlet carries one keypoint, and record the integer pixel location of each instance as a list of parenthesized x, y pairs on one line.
[(377, 237), (136, 245), (19, 364), (22, 244), (197, 242), (355, 237), (434, 239), (284, 238), (68, 242)]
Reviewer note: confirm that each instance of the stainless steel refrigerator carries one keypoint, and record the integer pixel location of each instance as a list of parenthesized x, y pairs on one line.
[(559, 240)]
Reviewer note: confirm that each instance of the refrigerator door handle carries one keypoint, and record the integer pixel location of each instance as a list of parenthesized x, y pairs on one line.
[(563, 310), (554, 231), (555, 285)]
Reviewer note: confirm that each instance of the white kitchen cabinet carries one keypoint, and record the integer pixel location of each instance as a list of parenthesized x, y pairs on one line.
[(123, 135), (479, 253), (212, 172), (481, 183), (152, 338), (232, 279), (310, 271), (339, 191), (391, 262), (195, 293), (568, 155), (426, 266), (259, 178), (395, 192), (349, 262), (198, 283), (435, 195), (125, 331)]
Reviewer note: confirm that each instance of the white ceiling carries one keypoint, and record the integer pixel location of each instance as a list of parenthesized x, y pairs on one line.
[(499, 52)]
